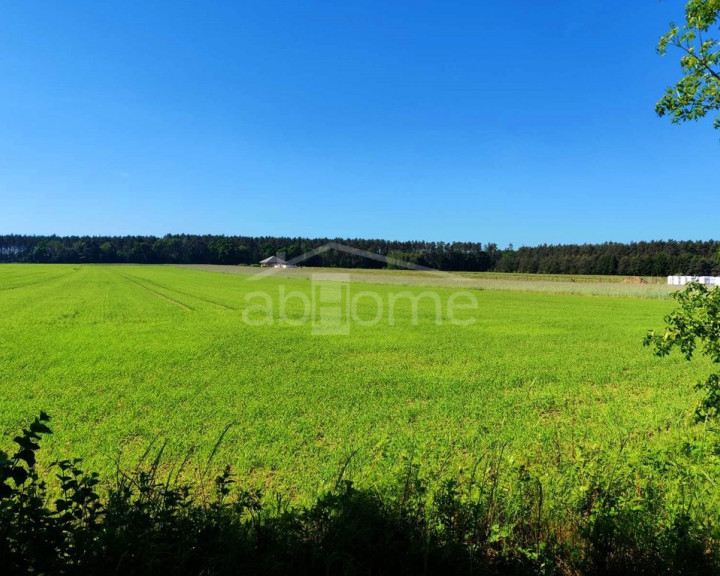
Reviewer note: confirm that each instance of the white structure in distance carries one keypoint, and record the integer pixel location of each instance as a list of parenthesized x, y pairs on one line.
[(682, 280)]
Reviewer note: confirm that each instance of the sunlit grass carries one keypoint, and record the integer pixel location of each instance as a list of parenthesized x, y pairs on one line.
[(616, 286), (121, 355)]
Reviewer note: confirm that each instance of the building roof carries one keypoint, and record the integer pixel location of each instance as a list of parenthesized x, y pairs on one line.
[(273, 260)]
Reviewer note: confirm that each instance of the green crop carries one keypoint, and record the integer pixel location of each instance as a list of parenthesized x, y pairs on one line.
[(126, 355)]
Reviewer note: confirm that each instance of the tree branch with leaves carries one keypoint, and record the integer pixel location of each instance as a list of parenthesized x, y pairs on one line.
[(694, 323), (697, 93)]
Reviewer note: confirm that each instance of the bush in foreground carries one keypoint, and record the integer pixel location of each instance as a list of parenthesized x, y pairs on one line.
[(607, 520)]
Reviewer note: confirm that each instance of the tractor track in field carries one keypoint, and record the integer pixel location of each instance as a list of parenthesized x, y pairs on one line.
[(188, 294), (162, 296), (56, 277)]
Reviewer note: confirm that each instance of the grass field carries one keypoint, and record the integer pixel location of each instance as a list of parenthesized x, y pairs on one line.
[(651, 287), (122, 355)]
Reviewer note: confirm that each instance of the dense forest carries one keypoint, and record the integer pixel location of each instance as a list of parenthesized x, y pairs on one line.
[(657, 258)]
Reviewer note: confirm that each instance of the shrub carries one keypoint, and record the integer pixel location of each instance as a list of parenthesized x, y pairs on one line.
[(603, 514)]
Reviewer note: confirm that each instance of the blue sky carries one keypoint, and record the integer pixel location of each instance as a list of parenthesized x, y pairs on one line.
[(520, 122)]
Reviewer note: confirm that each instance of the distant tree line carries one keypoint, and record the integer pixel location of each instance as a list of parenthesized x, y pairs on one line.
[(657, 258)]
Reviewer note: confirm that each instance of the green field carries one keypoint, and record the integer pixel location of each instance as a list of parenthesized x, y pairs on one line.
[(121, 356)]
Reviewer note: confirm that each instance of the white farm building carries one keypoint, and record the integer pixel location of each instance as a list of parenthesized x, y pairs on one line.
[(682, 280)]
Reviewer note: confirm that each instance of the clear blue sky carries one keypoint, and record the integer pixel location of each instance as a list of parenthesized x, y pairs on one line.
[(511, 122)]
